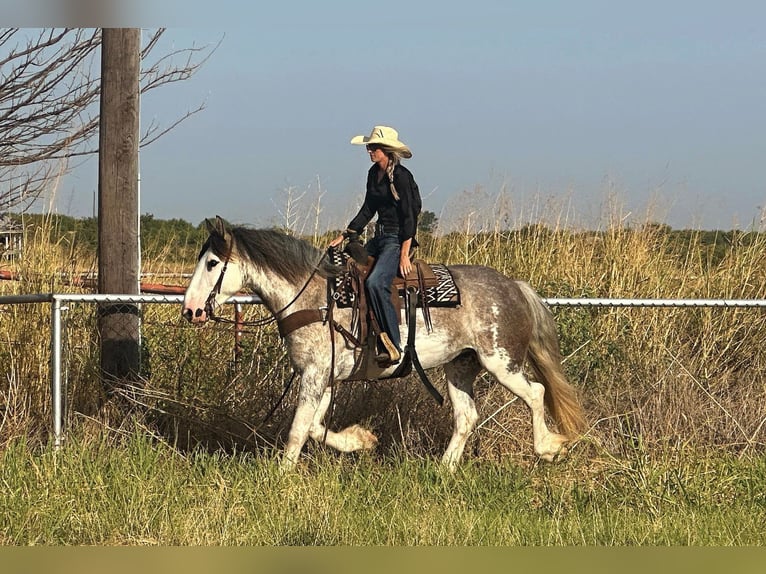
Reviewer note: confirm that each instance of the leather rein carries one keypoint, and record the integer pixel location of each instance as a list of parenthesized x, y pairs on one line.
[(274, 317), (289, 323)]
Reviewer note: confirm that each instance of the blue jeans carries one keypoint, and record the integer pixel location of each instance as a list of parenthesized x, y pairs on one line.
[(386, 250)]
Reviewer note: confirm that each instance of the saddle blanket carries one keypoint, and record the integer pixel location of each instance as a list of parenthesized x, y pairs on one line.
[(439, 293)]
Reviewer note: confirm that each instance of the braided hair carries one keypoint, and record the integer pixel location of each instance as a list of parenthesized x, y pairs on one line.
[(394, 157)]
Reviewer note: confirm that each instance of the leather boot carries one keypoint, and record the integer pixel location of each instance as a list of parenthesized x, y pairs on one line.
[(390, 355)]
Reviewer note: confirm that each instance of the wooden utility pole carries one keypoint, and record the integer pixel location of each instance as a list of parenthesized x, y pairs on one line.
[(118, 241)]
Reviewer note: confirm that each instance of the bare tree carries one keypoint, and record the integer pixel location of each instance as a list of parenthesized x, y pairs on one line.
[(49, 102)]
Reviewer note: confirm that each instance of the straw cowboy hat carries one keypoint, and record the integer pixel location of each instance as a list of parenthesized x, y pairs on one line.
[(386, 137)]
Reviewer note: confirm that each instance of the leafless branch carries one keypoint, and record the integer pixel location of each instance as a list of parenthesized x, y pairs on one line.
[(49, 102)]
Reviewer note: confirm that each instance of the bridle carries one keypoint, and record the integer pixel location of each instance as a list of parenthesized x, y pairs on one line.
[(274, 317), (216, 290)]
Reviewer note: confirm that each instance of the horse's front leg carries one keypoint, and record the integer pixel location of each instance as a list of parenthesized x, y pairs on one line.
[(308, 421), (310, 407), (350, 439)]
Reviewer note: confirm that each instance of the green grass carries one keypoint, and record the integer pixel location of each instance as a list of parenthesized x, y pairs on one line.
[(138, 491)]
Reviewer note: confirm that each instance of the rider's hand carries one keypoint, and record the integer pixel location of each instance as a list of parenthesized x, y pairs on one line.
[(405, 266), (337, 241)]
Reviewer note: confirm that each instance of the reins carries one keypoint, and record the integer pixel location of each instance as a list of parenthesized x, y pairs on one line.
[(210, 302)]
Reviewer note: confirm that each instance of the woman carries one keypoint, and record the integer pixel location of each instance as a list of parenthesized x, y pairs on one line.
[(393, 195)]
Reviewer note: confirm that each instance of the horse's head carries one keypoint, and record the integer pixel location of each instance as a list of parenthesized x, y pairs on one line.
[(216, 277)]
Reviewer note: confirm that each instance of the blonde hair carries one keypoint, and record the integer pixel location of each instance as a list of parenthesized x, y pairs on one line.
[(394, 157)]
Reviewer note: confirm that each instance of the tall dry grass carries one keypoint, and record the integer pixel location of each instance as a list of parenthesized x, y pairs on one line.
[(649, 377), (652, 380), (47, 265)]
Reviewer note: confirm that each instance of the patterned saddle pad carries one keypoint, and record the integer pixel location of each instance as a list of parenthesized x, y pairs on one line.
[(441, 292)]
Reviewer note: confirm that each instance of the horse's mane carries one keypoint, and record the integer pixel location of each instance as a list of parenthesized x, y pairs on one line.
[(285, 255)]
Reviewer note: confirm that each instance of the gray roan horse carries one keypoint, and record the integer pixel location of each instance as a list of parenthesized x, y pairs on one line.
[(501, 325)]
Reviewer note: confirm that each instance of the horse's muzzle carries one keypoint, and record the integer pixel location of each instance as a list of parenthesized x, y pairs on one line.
[(198, 316)]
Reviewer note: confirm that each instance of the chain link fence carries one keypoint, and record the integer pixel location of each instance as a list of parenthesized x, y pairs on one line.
[(684, 372)]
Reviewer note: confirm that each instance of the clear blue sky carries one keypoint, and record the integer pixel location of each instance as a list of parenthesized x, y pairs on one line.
[(660, 102)]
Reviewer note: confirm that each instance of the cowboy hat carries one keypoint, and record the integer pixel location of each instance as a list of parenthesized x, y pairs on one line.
[(386, 137)]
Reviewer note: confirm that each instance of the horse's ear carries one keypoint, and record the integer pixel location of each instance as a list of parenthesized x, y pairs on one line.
[(216, 227)]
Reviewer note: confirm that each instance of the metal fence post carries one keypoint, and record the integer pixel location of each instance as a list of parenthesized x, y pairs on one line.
[(238, 326), (56, 392)]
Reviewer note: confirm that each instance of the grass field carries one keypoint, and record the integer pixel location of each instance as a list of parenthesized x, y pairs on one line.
[(137, 491), (674, 454)]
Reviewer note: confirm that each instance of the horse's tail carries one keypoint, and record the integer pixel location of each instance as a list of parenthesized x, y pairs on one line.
[(544, 358)]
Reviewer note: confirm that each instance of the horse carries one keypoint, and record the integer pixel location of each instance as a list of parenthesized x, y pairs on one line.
[(500, 326)]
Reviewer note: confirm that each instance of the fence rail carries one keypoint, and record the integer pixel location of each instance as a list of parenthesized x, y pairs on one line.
[(734, 303), (58, 302)]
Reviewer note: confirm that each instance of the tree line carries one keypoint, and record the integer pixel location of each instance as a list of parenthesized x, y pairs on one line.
[(181, 239)]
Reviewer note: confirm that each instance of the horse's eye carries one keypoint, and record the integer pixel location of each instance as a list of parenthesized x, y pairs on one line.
[(211, 264)]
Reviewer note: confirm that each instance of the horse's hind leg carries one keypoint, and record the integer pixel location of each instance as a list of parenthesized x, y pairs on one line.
[(548, 445), (461, 373)]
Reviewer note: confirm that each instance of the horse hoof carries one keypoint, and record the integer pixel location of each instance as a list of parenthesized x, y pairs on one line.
[(366, 439), (556, 455), (561, 454)]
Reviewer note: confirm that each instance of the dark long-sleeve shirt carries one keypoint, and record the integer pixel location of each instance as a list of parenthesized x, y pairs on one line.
[(378, 199)]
